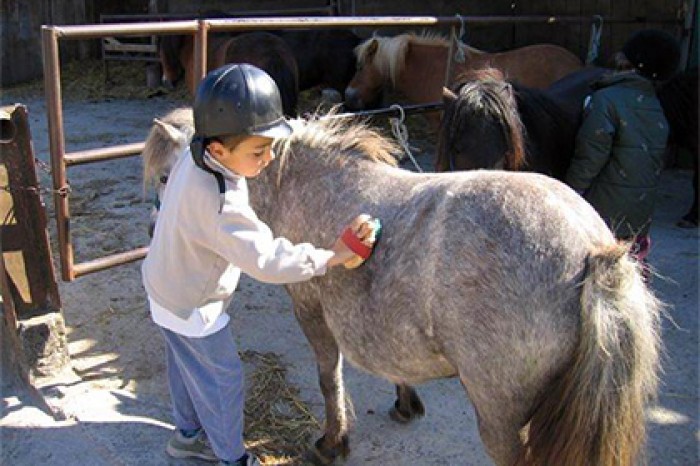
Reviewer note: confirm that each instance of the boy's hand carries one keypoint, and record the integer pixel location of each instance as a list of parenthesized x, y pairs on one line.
[(355, 244)]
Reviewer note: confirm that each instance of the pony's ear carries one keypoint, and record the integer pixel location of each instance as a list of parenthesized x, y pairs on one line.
[(372, 48), (448, 96), (169, 130)]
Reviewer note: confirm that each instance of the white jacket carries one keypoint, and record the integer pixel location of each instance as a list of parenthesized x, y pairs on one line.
[(197, 252)]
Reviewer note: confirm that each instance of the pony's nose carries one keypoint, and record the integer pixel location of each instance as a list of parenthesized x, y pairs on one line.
[(352, 99)]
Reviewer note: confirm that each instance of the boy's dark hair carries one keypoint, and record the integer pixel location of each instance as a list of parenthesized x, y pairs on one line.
[(654, 53)]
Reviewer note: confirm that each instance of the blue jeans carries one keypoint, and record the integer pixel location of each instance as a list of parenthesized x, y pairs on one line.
[(206, 388)]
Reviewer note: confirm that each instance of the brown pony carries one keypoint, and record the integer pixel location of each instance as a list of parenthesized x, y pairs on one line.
[(415, 66), (262, 49), (524, 295)]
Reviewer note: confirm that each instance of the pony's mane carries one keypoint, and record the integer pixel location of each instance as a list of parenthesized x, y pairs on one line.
[(390, 57), (485, 92), (335, 137), (339, 138)]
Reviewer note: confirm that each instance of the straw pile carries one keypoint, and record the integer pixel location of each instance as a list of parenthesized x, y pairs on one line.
[(278, 426)]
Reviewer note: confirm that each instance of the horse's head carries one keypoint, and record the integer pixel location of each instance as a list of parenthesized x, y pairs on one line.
[(166, 141), (365, 87), (412, 65), (481, 127)]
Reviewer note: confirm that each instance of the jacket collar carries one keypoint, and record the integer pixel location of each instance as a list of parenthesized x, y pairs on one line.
[(217, 166), (627, 77)]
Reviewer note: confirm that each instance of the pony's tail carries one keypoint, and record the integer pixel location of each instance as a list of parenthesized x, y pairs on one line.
[(593, 414)]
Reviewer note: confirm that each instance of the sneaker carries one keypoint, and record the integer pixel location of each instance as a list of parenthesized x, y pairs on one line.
[(250, 460), (197, 446)]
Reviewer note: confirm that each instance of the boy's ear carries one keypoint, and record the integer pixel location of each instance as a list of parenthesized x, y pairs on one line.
[(216, 149)]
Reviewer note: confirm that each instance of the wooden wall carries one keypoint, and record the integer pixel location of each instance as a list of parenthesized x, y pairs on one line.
[(21, 20), (628, 16), (20, 35)]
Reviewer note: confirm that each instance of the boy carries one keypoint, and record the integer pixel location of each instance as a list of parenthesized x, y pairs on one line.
[(204, 238), (620, 145)]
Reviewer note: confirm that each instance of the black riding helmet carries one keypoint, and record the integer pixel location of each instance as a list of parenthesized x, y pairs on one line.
[(236, 99), (654, 53)]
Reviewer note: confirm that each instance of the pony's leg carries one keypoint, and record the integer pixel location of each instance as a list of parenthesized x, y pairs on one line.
[(334, 441), (500, 418), (407, 406)]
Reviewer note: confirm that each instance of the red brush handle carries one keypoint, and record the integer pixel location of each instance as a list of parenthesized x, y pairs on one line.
[(355, 245)]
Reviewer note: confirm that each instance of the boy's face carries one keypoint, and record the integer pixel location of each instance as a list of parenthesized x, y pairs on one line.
[(248, 158)]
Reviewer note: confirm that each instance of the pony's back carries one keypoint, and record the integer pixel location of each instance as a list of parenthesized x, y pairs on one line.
[(271, 54), (325, 57)]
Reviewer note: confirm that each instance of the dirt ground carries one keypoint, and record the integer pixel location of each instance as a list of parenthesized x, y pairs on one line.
[(118, 382)]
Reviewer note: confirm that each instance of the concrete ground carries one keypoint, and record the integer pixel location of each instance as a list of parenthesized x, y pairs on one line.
[(111, 408)]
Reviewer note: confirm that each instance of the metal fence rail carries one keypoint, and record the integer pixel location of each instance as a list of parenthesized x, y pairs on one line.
[(61, 159)]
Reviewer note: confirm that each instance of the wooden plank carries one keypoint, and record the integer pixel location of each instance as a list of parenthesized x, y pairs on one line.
[(111, 44), (29, 234)]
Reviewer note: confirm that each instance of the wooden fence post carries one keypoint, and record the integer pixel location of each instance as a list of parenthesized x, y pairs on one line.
[(28, 281)]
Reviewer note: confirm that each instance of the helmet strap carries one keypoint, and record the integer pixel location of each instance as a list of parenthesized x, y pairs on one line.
[(197, 150)]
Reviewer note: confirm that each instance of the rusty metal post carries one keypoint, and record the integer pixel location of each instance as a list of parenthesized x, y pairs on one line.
[(27, 234), (200, 52), (57, 146)]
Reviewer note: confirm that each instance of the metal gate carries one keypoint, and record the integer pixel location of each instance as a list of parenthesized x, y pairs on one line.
[(61, 160)]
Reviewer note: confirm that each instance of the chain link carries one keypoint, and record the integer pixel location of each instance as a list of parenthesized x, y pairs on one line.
[(43, 165), (63, 191)]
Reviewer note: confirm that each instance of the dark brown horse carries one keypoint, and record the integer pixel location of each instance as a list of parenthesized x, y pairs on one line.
[(490, 122), (262, 49), (325, 57)]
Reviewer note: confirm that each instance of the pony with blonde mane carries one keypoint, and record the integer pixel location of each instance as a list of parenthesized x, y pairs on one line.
[(416, 65), (524, 295)]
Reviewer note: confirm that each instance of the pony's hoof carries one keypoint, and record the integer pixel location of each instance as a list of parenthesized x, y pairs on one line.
[(397, 416), (319, 456), (404, 417)]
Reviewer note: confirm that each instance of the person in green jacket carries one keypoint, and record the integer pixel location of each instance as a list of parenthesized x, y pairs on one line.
[(620, 145)]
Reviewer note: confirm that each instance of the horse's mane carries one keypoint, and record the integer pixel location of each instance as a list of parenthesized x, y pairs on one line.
[(390, 57), (338, 138), (487, 91)]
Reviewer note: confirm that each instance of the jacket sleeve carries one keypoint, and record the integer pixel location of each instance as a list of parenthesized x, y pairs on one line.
[(248, 243), (594, 142)]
